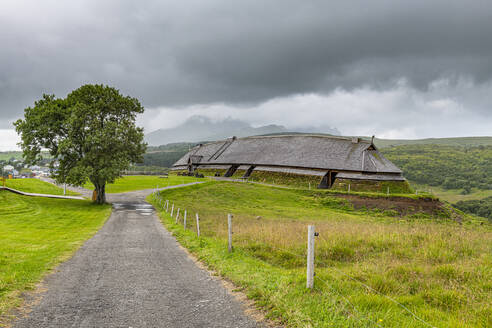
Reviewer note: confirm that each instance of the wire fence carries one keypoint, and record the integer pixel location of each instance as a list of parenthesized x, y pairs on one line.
[(354, 311)]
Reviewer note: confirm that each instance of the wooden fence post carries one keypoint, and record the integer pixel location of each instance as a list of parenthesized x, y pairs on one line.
[(177, 216), (310, 258), (184, 221), (167, 205), (172, 210), (349, 188), (197, 225), (229, 231)]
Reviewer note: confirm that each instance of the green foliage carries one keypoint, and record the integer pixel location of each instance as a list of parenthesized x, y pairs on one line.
[(162, 158), (90, 134), (480, 207), (451, 167), (167, 155), (36, 234)]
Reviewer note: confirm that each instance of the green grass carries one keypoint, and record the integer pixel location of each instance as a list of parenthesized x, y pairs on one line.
[(439, 269), (36, 186), (453, 195), (140, 182), (459, 141), (35, 235), (7, 155)]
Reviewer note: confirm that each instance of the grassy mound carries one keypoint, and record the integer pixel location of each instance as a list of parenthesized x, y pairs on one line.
[(36, 234), (286, 179), (391, 187), (438, 269), (36, 186)]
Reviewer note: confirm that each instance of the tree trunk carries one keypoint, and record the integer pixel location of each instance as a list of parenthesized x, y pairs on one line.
[(101, 194)]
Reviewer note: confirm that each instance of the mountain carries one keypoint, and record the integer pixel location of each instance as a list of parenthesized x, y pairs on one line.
[(199, 128)]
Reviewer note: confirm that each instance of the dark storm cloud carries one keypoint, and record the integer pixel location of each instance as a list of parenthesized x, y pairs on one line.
[(179, 53)]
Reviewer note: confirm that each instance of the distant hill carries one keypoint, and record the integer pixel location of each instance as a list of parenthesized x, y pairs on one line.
[(198, 128), (460, 141), (446, 166)]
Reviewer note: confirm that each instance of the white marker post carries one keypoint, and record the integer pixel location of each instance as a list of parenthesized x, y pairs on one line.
[(172, 210), (177, 216), (184, 220), (197, 225), (310, 258), (229, 231)]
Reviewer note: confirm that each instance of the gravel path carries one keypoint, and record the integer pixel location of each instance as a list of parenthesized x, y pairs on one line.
[(133, 274)]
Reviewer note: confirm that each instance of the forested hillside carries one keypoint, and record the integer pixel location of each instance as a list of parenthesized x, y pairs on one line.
[(451, 167), (166, 155), (481, 207), (459, 141)]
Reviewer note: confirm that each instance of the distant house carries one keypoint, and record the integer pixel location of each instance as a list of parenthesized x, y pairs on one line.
[(8, 168), (329, 158)]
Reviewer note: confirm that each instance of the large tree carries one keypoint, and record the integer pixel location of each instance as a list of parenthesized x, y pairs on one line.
[(91, 135)]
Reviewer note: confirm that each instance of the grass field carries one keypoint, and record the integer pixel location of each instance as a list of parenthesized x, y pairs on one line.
[(453, 195), (438, 269), (140, 182), (35, 235), (36, 186)]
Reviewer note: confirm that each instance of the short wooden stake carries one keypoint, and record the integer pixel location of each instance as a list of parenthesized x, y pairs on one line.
[(184, 220), (349, 188), (167, 205), (310, 258), (229, 231), (172, 210), (197, 225), (177, 216)]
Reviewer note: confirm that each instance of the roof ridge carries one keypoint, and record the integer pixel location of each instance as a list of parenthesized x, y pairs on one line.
[(348, 138)]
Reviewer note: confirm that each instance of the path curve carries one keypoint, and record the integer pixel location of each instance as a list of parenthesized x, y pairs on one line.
[(132, 273)]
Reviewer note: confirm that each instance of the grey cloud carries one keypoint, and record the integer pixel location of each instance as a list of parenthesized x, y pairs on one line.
[(180, 53)]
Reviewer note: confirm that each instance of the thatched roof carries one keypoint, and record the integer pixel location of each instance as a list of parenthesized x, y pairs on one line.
[(293, 151)]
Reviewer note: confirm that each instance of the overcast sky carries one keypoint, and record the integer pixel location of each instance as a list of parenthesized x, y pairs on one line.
[(396, 69)]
